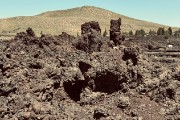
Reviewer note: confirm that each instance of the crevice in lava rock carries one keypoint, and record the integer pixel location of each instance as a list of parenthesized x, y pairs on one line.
[(73, 89), (84, 66), (56, 84), (97, 116), (4, 92), (100, 113), (107, 83), (3, 70), (132, 57), (170, 93), (35, 66), (8, 56)]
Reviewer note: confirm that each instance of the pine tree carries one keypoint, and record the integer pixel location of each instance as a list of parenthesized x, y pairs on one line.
[(140, 32), (137, 32), (170, 31), (131, 32), (160, 31)]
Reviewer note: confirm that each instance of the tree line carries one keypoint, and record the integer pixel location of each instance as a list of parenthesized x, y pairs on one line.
[(160, 31), (141, 32)]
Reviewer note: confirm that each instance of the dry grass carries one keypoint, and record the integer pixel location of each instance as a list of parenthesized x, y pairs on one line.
[(70, 21)]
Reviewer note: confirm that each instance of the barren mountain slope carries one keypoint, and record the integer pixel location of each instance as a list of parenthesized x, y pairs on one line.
[(70, 20)]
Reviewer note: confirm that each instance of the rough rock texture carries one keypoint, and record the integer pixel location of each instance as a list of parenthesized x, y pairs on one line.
[(91, 35), (115, 32), (30, 32), (46, 77), (88, 26)]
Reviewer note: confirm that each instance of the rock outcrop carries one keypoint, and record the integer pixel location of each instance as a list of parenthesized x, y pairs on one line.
[(115, 32), (91, 33)]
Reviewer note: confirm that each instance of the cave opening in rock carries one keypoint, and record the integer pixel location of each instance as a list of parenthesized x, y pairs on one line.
[(107, 83), (73, 89)]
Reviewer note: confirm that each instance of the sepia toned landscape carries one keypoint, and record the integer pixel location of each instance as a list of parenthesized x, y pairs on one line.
[(88, 63)]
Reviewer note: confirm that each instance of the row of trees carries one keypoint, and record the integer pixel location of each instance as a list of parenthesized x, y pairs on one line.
[(160, 31)]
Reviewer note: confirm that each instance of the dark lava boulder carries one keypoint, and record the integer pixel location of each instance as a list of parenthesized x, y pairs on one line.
[(65, 36), (88, 26), (27, 37), (30, 32), (131, 53), (91, 37), (115, 32)]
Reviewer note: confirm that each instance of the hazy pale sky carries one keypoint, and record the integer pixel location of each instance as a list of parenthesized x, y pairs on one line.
[(165, 12)]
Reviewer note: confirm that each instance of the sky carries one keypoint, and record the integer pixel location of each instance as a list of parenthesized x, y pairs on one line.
[(166, 12)]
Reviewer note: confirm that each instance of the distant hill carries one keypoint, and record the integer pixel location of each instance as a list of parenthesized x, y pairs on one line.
[(70, 21)]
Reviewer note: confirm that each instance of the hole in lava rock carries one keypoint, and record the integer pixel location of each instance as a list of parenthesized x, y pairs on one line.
[(132, 57), (107, 83), (36, 55), (170, 93), (8, 56), (1, 66), (73, 89), (35, 66), (84, 66), (97, 116), (56, 84)]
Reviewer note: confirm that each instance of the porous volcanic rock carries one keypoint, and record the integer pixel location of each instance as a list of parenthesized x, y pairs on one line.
[(115, 32), (48, 78), (91, 37)]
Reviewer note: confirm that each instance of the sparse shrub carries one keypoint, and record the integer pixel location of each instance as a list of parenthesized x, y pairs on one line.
[(77, 34), (152, 32), (140, 32), (131, 32), (105, 33), (125, 33), (170, 31)]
